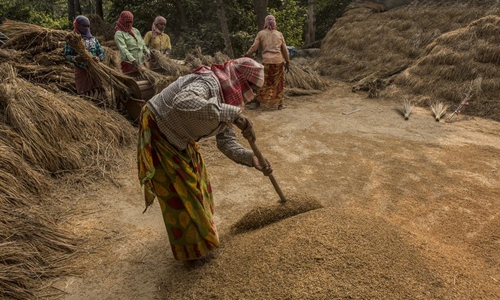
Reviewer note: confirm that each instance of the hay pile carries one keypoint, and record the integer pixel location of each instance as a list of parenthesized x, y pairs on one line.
[(459, 64), (44, 136), (373, 50)]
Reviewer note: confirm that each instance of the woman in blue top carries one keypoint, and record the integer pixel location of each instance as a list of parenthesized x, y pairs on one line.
[(86, 84)]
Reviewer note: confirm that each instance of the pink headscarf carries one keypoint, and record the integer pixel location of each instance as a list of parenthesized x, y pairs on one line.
[(234, 77), (155, 29), (270, 23), (122, 24)]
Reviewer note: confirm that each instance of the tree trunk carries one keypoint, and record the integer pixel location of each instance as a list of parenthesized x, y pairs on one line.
[(98, 9), (223, 24), (78, 7), (71, 11), (260, 7), (182, 14), (311, 24)]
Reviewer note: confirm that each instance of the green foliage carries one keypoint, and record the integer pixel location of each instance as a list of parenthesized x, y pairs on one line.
[(290, 19), (49, 14)]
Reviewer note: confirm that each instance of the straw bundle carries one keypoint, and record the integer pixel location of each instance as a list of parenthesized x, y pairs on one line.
[(31, 38), (304, 77), (169, 66)]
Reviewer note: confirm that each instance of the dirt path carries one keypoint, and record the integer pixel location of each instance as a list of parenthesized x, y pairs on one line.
[(437, 181)]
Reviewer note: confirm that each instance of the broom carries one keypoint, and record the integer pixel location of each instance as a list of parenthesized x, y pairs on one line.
[(406, 108), (439, 110)]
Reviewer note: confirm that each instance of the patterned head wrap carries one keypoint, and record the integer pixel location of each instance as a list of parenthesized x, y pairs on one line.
[(155, 29), (122, 25), (235, 77), (78, 24), (270, 23)]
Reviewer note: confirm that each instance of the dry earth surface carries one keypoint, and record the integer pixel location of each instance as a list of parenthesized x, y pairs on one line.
[(411, 212)]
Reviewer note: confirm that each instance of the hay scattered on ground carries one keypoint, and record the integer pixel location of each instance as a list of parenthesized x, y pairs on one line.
[(265, 215)]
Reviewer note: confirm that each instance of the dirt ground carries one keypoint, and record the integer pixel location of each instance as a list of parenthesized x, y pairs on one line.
[(411, 212)]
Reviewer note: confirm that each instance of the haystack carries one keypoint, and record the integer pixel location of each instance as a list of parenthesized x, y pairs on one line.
[(61, 132), (46, 135), (451, 65), (370, 48)]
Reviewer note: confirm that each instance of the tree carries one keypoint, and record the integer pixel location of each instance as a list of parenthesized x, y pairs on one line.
[(260, 7), (182, 15), (98, 9), (223, 23), (71, 10), (311, 24)]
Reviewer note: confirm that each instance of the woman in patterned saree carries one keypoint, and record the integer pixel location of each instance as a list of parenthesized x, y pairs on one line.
[(199, 105)]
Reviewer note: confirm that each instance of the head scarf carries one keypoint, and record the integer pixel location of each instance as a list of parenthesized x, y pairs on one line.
[(78, 28), (234, 77), (155, 29), (122, 24), (270, 23)]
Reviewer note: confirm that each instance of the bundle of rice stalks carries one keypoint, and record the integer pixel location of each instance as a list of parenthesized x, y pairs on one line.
[(61, 75), (169, 66), (406, 108), (116, 79), (111, 58), (196, 58), (31, 38), (305, 78), (150, 75), (439, 110), (61, 132), (33, 248)]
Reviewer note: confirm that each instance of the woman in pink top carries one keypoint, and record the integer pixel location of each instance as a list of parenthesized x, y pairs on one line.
[(275, 59)]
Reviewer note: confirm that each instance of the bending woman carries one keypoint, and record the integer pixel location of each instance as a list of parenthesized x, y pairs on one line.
[(171, 168)]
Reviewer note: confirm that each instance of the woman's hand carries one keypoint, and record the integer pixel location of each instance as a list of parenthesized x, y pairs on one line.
[(266, 170)]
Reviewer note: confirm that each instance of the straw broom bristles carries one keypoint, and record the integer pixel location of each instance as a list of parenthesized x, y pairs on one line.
[(439, 110), (406, 108)]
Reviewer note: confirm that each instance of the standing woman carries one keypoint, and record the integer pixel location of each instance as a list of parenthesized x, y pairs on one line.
[(86, 84), (130, 43), (157, 39), (275, 57)]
